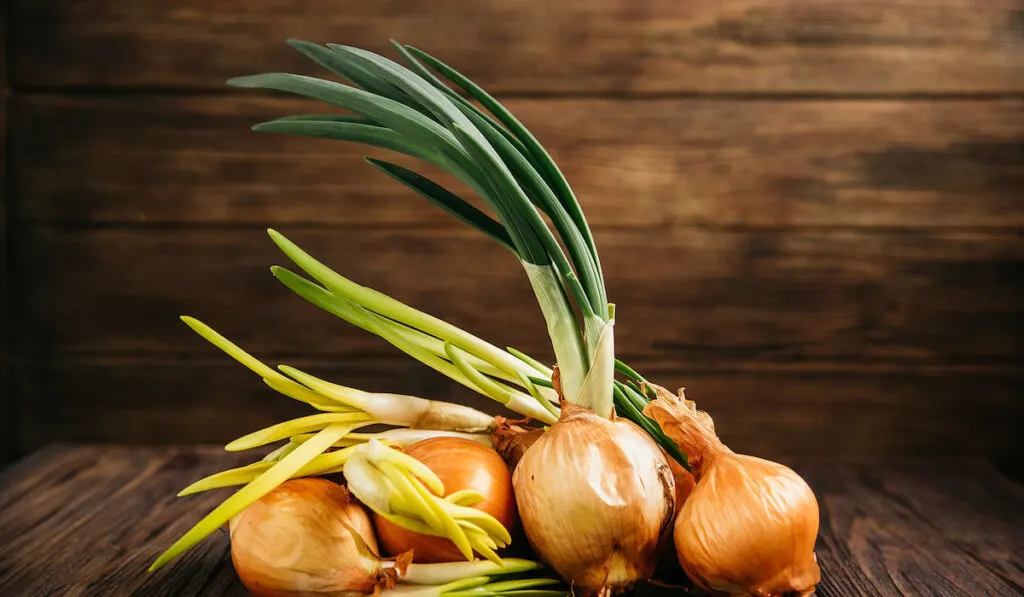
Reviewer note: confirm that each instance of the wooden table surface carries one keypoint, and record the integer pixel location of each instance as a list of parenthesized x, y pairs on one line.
[(88, 520)]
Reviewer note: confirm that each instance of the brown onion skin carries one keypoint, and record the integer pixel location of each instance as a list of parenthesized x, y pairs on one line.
[(460, 464), (749, 528), (276, 554), (749, 525)]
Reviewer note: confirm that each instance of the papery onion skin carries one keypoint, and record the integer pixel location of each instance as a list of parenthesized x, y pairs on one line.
[(511, 440), (749, 528), (596, 498), (298, 540), (749, 525), (460, 464)]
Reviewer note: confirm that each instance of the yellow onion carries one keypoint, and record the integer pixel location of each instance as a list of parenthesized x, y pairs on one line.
[(595, 498), (461, 465), (307, 537), (749, 525)]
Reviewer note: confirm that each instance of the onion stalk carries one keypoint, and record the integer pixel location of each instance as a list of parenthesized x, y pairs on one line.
[(406, 112)]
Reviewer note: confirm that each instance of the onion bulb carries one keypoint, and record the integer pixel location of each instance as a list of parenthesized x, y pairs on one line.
[(749, 525), (595, 498), (307, 537), (460, 464)]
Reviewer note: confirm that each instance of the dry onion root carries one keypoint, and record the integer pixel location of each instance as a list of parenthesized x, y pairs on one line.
[(749, 525)]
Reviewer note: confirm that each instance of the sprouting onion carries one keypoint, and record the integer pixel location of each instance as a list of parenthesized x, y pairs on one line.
[(347, 409), (578, 483), (417, 114)]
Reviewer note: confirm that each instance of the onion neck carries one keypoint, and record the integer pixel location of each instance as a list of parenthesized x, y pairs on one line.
[(511, 440), (692, 429)]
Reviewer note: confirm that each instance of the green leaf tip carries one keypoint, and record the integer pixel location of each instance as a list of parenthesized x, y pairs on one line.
[(244, 82)]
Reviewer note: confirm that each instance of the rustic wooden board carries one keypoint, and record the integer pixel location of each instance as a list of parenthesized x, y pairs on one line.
[(609, 46), (7, 404), (170, 159), (88, 520), (839, 414), (695, 295), (84, 530), (912, 531)]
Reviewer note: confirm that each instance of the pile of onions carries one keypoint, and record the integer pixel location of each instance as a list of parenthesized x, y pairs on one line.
[(749, 525), (461, 464), (596, 498)]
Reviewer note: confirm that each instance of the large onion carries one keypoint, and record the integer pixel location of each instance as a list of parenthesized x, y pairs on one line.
[(596, 498), (460, 464), (749, 525)]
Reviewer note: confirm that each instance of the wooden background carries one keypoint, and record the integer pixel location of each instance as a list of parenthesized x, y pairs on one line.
[(809, 211)]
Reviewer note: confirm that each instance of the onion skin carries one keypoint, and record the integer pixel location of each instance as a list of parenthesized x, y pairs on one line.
[(596, 498), (306, 537), (512, 440), (749, 525), (749, 528), (460, 464)]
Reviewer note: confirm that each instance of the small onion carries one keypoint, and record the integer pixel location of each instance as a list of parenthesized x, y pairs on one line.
[(307, 537), (596, 498), (749, 525), (460, 464)]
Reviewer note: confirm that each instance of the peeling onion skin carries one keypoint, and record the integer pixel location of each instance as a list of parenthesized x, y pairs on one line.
[(749, 525), (298, 540), (596, 498), (460, 464)]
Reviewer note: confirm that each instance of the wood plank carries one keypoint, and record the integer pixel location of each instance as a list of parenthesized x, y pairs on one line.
[(102, 515), (7, 403), (694, 295), (795, 415), (877, 541), (169, 159), (606, 46), (874, 539)]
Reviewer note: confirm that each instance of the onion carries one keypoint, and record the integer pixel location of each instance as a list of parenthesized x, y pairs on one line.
[(460, 464), (596, 498), (307, 536), (749, 525)]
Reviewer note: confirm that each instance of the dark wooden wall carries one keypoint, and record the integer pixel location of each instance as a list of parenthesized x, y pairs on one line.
[(809, 212)]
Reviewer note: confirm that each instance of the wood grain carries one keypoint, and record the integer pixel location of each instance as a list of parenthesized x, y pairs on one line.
[(840, 414), (694, 295), (602, 46), (102, 516), (167, 159), (7, 402), (880, 534), (88, 520)]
